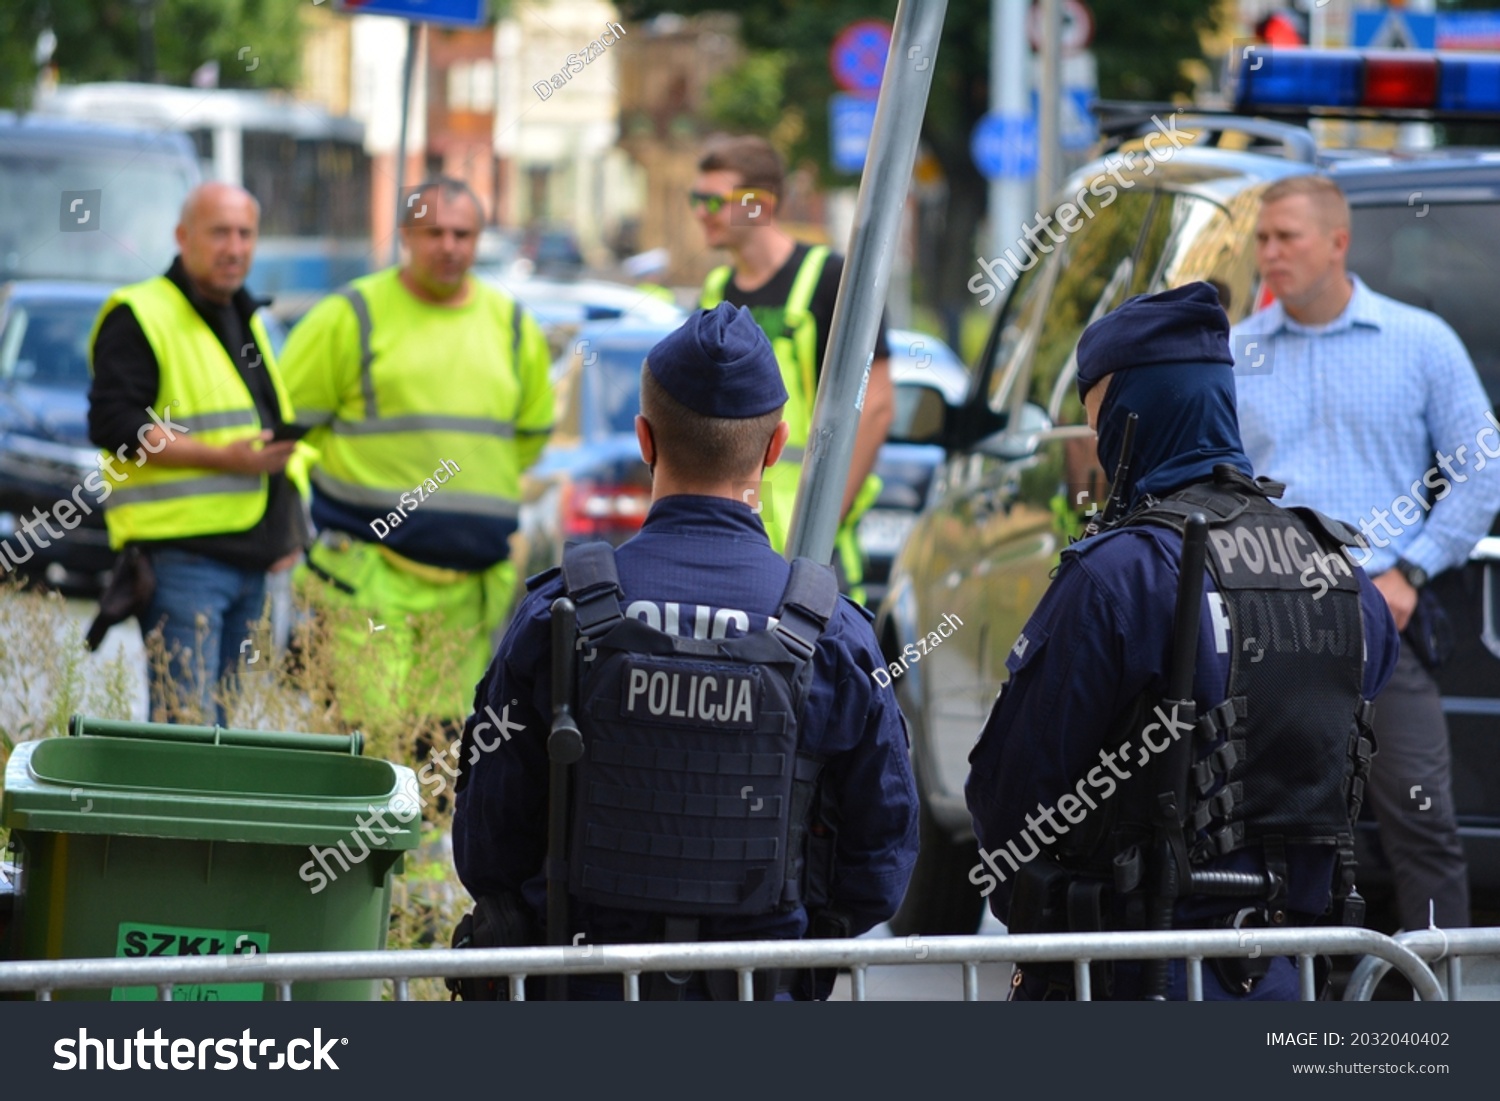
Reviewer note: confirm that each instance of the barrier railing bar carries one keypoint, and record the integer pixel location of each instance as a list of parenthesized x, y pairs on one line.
[(733, 955), (1455, 979), (1195, 978), (401, 993), (1308, 977), (971, 981), (1083, 986), (857, 984), (1430, 945)]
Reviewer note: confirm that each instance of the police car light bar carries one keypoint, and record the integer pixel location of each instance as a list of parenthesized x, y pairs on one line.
[(1288, 80)]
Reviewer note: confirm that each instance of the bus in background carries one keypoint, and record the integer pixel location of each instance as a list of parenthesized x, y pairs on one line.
[(308, 169), (83, 201)]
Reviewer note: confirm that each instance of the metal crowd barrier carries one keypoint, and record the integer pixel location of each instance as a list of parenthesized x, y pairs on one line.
[(1447, 946), (744, 957)]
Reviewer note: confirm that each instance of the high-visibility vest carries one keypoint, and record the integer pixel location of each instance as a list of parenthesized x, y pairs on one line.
[(435, 387), (201, 389), (796, 348)]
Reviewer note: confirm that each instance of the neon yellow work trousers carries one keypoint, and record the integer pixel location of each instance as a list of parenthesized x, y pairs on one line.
[(406, 640)]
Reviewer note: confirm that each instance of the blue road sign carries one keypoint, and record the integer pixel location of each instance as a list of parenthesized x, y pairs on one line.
[(1392, 29), (851, 119), (1078, 129), (1004, 147), (857, 57), (457, 13)]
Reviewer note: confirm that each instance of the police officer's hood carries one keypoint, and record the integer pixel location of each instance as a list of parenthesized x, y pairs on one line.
[(1169, 355)]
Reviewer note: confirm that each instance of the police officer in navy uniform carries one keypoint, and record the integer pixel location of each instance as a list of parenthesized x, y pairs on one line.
[(744, 776), (1294, 642)]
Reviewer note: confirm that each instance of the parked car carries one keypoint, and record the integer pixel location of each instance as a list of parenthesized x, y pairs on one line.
[(591, 484), (45, 453), (1020, 473)]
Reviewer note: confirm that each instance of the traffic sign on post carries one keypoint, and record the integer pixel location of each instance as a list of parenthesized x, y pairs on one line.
[(857, 57), (851, 120), (455, 13), (1004, 147), (1077, 27), (1394, 29)]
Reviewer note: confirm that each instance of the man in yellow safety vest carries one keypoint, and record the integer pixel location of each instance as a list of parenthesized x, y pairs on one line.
[(190, 410), (790, 289)]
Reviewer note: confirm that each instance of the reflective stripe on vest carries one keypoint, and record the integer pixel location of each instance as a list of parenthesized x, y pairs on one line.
[(471, 504), (201, 390)]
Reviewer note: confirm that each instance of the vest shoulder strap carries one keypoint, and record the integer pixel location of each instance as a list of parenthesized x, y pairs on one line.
[(800, 299), (714, 285), (361, 307), (593, 584), (807, 604), (1336, 530)]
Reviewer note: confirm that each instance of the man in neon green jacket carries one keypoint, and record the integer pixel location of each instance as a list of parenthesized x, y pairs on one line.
[(428, 395)]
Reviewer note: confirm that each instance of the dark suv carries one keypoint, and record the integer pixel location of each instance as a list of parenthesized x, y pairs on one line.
[(1020, 474)]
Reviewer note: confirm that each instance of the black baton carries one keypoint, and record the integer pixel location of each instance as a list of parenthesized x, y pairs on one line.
[(564, 748), (1171, 770)]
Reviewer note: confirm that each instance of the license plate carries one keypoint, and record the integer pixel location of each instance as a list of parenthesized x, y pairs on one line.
[(882, 531)]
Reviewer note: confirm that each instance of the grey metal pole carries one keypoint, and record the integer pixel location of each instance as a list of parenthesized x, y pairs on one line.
[(1049, 105), (412, 30), (862, 289), (1010, 96)]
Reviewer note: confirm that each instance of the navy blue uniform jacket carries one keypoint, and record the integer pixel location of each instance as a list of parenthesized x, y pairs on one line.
[(1099, 638), (699, 565)]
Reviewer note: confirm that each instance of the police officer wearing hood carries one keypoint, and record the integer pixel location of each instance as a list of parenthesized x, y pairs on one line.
[(743, 774), (1063, 778)]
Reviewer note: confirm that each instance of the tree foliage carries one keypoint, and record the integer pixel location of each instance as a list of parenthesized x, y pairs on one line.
[(257, 43)]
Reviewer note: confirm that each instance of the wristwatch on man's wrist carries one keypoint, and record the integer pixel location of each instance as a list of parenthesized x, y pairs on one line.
[(1415, 575)]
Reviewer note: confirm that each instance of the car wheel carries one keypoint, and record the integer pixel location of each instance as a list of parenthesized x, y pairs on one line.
[(940, 900)]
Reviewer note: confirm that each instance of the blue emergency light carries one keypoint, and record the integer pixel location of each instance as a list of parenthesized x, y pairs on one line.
[(1272, 79)]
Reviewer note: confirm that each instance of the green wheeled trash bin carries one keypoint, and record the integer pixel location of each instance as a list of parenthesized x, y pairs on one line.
[(149, 839)]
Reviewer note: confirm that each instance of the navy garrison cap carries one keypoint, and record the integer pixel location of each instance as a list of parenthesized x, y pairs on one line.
[(720, 364), (1182, 325)]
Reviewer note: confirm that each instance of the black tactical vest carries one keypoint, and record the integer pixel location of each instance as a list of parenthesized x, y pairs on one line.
[(691, 797), (1283, 759)]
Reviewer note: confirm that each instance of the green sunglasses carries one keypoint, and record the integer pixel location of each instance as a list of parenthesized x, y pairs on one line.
[(712, 204), (709, 202)]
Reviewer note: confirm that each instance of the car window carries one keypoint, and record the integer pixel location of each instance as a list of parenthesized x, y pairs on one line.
[(1190, 238), (612, 387), (1443, 261), (1094, 278), (1018, 326), (47, 343)]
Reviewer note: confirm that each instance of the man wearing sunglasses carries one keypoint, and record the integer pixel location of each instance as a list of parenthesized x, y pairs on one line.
[(790, 289)]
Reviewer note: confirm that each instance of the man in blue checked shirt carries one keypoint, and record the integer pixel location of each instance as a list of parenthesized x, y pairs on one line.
[(1370, 410)]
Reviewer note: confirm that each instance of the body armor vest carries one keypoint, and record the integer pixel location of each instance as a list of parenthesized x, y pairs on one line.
[(691, 797), (1283, 759)]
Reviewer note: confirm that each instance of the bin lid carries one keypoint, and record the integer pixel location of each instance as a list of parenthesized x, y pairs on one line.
[(138, 785)]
